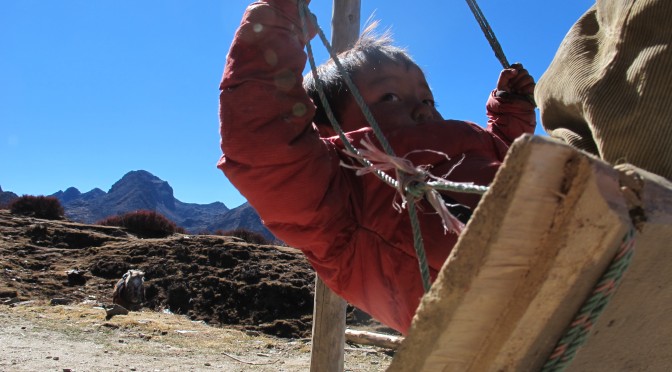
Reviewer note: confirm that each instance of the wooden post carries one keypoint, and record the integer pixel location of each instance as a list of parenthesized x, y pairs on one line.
[(328, 344), (345, 24), (326, 353)]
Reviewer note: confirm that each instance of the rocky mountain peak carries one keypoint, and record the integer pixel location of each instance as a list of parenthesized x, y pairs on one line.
[(6, 197), (143, 188), (71, 193)]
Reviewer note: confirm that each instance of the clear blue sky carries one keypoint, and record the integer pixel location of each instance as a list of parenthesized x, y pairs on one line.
[(90, 90)]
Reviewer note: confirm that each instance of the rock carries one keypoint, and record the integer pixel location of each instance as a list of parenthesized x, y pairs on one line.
[(11, 301), (59, 301), (22, 303), (76, 277), (116, 309)]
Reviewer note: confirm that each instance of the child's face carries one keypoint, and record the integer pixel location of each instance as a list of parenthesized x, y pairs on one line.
[(397, 95)]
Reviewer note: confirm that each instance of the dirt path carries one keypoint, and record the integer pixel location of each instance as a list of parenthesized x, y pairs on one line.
[(39, 337)]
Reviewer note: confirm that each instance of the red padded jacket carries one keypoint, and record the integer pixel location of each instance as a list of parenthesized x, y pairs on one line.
[(345, 224)]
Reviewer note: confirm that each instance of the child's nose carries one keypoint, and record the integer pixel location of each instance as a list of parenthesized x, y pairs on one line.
[(422, 113)]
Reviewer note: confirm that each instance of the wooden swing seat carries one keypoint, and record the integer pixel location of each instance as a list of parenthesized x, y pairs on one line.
[(536, 246)]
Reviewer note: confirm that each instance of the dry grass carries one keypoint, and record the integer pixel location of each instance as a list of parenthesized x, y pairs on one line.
[(158, 336), (175, 331)]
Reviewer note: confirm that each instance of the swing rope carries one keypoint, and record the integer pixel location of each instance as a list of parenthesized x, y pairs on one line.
[(489, 34), (492, 40)]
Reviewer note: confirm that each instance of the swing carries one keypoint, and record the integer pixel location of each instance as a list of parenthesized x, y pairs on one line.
[(585, 183)]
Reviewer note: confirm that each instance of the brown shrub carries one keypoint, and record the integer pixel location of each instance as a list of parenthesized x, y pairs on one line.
[(144, 223), (246, 235), (46, 207)]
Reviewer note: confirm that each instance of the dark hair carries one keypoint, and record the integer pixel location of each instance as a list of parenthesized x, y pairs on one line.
[(370, 50)]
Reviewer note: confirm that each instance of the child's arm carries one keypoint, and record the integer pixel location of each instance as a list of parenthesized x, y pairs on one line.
[(271, 153), (510, 111)]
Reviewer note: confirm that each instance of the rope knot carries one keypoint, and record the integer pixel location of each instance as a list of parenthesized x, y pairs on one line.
[(415, 189), (412, 181)]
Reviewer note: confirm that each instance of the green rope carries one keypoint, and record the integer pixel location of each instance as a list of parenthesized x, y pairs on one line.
[(577, 332), (419, 248), (456, 186), (492, 40)]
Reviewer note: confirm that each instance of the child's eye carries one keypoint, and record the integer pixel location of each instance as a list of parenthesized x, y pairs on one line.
[(390, 97), (429, 102)]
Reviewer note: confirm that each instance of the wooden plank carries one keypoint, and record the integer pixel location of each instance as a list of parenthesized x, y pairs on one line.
[(635, 331), (537, 243), (328, 339)]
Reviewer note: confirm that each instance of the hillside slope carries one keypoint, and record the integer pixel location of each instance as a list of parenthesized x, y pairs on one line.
[(222, 281)]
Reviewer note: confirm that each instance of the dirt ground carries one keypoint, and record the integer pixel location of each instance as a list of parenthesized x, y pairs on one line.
[(212, 303), (39, 337)]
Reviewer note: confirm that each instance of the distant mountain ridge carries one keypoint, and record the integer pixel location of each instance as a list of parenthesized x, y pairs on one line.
[(6, 197), (141, 190)]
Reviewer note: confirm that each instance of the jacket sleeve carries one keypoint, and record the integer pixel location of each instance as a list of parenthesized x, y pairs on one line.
[(271, 153), (293, 178), (510, 118)]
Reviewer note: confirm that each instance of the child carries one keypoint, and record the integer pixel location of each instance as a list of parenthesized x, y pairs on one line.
[(290, 170)]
